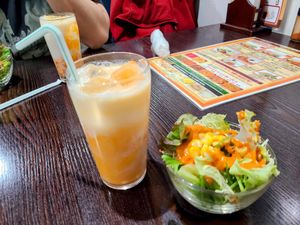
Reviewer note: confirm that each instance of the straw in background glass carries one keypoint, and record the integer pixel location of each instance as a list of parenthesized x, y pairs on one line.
[(34, 36)]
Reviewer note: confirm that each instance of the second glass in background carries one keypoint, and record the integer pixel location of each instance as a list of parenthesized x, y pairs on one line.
[(67, 24)]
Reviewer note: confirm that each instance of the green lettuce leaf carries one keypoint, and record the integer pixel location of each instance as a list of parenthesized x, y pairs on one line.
[(177, 134), (5, 61), (171, 162), (190, 173), (251, 178), (210, 171), (214, 121), (247, 132)]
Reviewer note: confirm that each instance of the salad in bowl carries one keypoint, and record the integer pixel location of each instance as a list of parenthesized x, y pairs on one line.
[(217, 166), (6, 65)]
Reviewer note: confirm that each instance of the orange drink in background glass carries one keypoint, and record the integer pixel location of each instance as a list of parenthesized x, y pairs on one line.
[(67, 24), (112, 98)]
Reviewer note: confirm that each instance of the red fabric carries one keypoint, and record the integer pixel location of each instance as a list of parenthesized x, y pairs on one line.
[(138, 18)]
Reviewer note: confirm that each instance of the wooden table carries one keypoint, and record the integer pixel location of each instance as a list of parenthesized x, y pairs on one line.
[(47, 175)]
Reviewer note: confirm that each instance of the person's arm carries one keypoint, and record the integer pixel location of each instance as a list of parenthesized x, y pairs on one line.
[(92, 19)]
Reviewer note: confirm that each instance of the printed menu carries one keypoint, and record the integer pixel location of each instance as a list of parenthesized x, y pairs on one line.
[(220, 73)]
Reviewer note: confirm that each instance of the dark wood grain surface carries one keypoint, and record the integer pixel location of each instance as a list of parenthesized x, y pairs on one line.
[(47, 175), (28, 76)]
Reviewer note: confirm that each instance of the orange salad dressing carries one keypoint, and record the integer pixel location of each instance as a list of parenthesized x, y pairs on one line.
[(236, 149)]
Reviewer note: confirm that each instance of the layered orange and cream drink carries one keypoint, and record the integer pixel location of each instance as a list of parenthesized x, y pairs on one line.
[(67, 24), (112, 100)]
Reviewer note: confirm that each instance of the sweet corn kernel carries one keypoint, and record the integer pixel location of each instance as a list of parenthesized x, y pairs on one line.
[(204, 149), (196, 142), (194, 151)]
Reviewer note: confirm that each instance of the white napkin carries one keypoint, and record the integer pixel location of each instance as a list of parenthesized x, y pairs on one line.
[(159, 45)]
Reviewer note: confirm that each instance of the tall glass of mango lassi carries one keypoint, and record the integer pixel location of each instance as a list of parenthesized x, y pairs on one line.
[(67, 24), (111, 97)]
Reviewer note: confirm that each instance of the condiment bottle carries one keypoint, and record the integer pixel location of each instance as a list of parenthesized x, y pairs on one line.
[(296, 31)]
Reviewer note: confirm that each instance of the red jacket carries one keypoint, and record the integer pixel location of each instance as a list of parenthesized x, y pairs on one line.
[(138, 18)]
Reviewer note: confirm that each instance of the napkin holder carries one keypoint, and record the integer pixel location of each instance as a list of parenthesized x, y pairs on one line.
[(244, 17)]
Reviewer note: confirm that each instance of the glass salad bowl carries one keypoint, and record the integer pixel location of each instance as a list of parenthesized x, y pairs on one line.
[(215, 202), (217, 166), (6, 65)]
